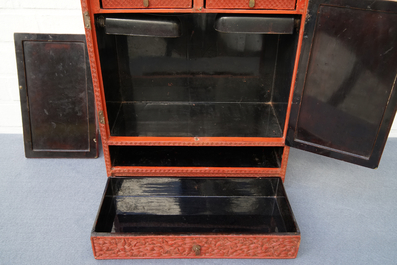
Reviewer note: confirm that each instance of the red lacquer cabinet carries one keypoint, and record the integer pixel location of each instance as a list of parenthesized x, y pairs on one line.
[(200, 101)]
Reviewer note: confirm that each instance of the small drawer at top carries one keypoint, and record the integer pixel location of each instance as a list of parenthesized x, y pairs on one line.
[(251, 4), (146, 3)]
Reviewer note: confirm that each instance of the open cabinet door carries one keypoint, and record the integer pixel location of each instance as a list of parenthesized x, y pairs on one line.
[(345, 95)]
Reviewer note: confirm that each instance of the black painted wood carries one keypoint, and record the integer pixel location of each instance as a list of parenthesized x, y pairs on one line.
[(189, 119), (197, 156), (345, 99), (57, 101), (204, 83), (143, 25), (195, 205), (255, 24)]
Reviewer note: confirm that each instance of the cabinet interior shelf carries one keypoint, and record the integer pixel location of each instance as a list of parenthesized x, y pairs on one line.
[(196, 156), (197, 119)]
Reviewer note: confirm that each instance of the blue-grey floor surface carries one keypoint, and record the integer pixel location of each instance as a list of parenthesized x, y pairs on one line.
[(347, 214)]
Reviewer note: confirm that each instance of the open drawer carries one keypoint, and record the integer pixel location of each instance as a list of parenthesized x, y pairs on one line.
[(146, 3), (251, 4), (195, 218)]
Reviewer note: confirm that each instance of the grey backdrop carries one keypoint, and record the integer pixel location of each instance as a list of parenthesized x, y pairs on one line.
[(346, 213)]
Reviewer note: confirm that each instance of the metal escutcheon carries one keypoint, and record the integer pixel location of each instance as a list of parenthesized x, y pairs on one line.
[(146, 3), (197, 249), (251, 3)]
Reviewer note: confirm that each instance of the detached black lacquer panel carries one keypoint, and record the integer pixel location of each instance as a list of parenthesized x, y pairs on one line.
[(56, 96), (348, 100)]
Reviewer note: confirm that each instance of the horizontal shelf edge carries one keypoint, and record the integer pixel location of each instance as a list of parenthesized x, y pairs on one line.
[(202, 10), (131, 171), (195, 141)]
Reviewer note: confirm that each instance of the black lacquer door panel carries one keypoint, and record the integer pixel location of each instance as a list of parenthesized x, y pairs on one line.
[(57, 100), (345, 99)]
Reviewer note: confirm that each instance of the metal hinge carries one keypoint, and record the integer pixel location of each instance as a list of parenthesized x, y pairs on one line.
[(101, 117), (87, 20)]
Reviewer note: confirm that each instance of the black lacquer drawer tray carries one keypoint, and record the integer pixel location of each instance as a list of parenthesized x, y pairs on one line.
[(195, 217)]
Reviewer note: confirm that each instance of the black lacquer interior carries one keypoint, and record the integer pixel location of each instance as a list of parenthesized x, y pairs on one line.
[(195, 205), (196, 156), (254, 24), (204, 83)]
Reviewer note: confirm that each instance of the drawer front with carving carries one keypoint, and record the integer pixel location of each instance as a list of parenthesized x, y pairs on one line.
[(253, 4), (146, 3), (221, 246)]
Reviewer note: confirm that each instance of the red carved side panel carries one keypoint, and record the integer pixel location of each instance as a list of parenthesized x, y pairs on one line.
[(96, 83), (151, 3), (284, 162), (183, 247), (259, 4)]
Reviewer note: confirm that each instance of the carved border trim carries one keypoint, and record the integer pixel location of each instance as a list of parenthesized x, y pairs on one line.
[(186, 143), (191, 174), (199, 172)]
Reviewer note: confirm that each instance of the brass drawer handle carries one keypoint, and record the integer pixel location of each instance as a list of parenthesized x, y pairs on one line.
[(197, 249), (146, 3), (251, 3)]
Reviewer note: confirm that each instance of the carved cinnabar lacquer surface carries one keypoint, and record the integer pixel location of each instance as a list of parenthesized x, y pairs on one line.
[(183, 247), (146, 4), (256, 4)]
